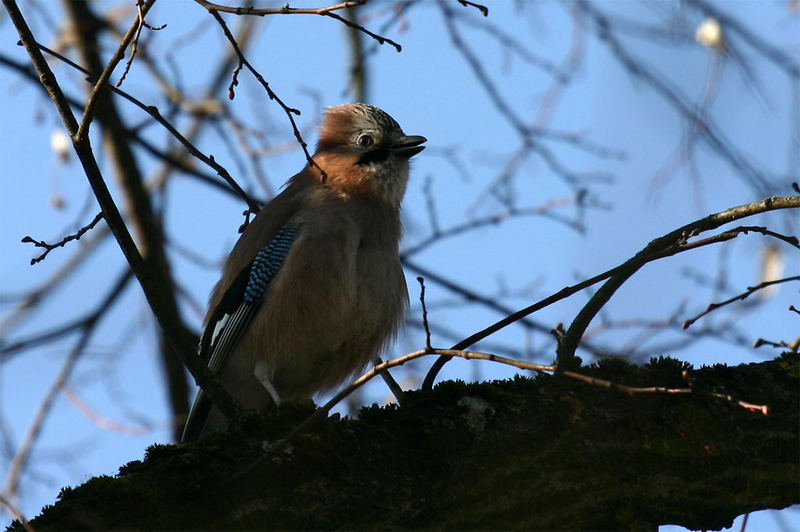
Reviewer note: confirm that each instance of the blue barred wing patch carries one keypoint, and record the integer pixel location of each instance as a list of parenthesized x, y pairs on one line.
[(267, 263)]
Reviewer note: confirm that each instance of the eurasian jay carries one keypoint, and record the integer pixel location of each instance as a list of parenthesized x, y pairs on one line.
[(314, 288)]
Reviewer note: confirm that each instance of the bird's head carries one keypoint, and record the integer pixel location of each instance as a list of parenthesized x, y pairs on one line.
[(363, 150)]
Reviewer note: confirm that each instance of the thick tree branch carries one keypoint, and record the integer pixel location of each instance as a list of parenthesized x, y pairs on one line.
[(534, 454)]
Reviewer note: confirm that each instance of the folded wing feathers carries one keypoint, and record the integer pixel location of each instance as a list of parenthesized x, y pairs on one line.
[(240, 309), (233, 314)]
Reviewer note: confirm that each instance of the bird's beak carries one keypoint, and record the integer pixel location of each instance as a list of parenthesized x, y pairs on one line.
[(408, 146)]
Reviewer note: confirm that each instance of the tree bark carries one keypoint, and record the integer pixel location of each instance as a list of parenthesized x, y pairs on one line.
[(543, 453)]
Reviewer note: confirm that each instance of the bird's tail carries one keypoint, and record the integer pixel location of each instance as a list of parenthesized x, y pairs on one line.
[(196, 420)]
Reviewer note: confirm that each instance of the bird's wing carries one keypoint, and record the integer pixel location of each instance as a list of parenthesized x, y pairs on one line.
[(234, 312)]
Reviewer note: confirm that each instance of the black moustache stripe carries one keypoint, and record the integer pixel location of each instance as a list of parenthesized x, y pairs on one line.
[(374, 156)]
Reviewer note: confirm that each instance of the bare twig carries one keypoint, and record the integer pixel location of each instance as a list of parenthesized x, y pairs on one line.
[(170, 159), (287, 10), (42, 292), (530, 136), (546, 209), (153, 111), (512, 44), (483, 77), (142, 23), (100, 83), (98, 419), (421, 281), (170, 323), (710, 133), (793, 345), (290, 111), (667, 245), (34, 429), (483, 9), (777, 56), (69, 238), (739, 297)]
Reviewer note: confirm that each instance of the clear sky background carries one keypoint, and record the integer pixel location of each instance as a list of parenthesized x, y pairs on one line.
[(629, 135)]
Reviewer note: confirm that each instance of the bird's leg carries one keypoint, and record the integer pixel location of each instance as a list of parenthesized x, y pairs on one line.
[(261, 371)]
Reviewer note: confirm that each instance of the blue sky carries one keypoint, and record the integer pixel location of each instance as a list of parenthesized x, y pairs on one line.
[(431, 90)]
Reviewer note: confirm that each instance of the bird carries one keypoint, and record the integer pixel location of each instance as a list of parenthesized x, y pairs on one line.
[(314, 288)]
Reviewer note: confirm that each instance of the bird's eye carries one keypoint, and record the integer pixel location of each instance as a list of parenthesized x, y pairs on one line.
[(365, 141)]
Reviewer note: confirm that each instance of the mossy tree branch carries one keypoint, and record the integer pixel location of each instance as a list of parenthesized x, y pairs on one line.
[(545, 453)]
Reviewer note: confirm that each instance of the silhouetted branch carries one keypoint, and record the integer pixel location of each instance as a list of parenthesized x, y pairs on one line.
[(141, 23), (17, 513), (546, 209), (172, 328), (483, 9), (290, 111), (102, 80), (156, 114), (740, 297), (287, 10), (69, 238), (670, 244), (667, 245)]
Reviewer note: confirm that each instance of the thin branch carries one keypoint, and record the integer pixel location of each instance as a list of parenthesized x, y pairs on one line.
[(20, 458), (45, 407), (531, 136), (512, 44), (170, 159), (290, 111), (758, 342), (94, 417), (381, 39), (135, 46), (170, 324), (740, 297), (545, 209), (483, 77), (711, 134), (39, 294), (69, 238), (777, 56), (153, 111), (483, 9), (421, 281), (101, 82), (43, 337), (669, 244), (288, 10)]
